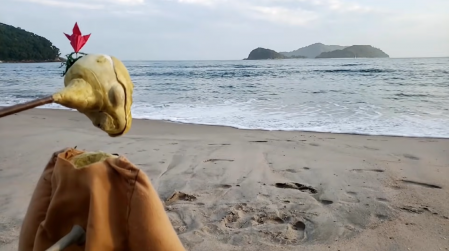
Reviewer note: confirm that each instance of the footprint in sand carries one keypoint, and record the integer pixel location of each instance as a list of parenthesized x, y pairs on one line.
[(382, 216), (294, 234), (217, 160), (411, 209), (368, 170), (382, 199), (177, 196), (326, 202), (409, 156), (427, 185), (290, 170), (222, 189), (299, 225), (224, 186), (351, 197), (297, 186), (266, 226), (177, 222)]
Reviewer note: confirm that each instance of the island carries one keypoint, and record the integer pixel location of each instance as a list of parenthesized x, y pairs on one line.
[(355, 51), (319, 50), (313, 50), (262, 53), (21, 46)]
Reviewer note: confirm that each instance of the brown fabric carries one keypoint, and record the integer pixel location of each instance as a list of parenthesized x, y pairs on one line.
[(112, 200)]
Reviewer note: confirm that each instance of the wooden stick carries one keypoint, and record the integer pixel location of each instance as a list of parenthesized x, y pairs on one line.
[(76, 236), (25, 106)]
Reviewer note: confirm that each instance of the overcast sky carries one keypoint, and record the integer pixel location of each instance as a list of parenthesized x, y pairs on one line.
[(230, 29)]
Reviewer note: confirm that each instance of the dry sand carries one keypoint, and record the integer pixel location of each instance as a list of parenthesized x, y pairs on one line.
[(229, 189)]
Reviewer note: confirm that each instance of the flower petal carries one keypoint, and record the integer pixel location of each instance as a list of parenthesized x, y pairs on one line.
[(76, 29)]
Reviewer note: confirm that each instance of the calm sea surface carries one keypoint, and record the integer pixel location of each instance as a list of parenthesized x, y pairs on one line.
[(404, 97)]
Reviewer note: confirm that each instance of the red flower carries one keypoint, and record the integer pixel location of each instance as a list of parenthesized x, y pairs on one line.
[(76, 39)]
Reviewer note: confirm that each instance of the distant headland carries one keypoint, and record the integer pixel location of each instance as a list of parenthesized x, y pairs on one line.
[(262, 53), (20, 46), (319, 50)]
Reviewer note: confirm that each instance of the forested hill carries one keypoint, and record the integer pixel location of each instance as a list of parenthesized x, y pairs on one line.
[(355, 51), (18, 45), (262, 53)]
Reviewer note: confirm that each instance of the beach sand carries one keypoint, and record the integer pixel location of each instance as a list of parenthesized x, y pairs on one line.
[(230, 189)]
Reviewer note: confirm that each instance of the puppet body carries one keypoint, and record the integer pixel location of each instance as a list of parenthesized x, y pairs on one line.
[(107, 196)]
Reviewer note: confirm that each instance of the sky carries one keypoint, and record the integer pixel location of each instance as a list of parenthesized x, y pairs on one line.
[(230, 29)]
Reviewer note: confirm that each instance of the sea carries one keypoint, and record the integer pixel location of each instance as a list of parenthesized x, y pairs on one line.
[(399, 97)]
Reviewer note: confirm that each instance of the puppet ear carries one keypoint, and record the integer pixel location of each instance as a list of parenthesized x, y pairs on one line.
[(125, 81)]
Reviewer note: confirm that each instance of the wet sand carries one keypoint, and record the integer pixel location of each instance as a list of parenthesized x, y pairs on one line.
[(230, 189)]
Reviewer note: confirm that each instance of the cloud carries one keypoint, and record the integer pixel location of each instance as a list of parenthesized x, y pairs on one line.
[(289, 12), (229, 29), (199, 2), (68, 5), (281, 12), (271, 11), (345, 7), (127, 13), (124, 2), (88, 5), (283, 15)]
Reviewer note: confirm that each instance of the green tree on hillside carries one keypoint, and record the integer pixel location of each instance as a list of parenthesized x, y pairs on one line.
[(17, 44)]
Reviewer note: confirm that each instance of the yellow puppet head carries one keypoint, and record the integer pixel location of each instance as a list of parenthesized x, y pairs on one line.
[(99, 86)]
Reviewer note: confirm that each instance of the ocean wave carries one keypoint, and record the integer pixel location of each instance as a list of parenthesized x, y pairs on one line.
[(179, 65), (202, 74), (414, 95), (244, 115), (382, 97), (351, 64), (240, 121), (357, 70)]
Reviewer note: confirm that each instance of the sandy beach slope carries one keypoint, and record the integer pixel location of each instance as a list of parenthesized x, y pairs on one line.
[(229, 189)]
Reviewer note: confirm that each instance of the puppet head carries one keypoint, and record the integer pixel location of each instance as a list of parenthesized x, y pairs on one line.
[(99, 86)]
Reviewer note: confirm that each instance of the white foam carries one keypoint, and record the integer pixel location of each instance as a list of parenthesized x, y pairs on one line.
[(247, 115), (305, 95), (243, 117)]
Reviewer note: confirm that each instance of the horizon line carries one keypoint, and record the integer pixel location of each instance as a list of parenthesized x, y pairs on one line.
[(276, 59)]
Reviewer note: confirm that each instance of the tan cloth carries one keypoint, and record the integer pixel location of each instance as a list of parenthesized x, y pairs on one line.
[(112, 200)]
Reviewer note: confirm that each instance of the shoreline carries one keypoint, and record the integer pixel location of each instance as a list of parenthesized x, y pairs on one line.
[(303, 131), (60, 60), (250, 129), (29, 62), (254, 190)]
